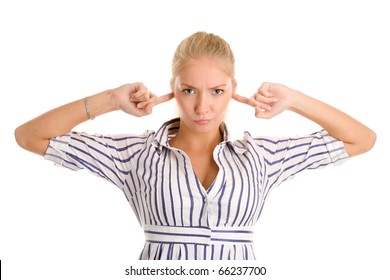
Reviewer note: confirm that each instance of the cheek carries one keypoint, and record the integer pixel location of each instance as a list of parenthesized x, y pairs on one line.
[(179, 101), (223, 104), (181, 104)]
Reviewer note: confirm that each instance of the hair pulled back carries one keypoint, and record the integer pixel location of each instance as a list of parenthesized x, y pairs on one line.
[(203, 44)]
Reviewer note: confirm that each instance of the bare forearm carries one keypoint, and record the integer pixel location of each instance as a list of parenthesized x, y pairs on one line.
[(34, 135), (357, 137)]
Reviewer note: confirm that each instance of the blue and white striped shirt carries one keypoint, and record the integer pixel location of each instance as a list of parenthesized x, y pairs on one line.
[(180, 219)]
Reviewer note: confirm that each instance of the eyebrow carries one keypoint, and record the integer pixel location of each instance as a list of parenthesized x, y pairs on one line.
[(191, 86)]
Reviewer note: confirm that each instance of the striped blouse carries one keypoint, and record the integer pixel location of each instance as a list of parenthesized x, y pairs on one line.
[(180, 219)]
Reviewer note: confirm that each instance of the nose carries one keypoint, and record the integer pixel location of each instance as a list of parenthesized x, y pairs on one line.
[(202, 104)]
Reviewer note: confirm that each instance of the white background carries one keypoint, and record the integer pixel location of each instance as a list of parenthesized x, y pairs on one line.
[(327, 224)]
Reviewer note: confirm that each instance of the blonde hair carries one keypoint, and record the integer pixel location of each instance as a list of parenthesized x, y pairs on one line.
[(203, 44)]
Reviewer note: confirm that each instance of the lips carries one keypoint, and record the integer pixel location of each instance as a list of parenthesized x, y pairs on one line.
[(202, 121)]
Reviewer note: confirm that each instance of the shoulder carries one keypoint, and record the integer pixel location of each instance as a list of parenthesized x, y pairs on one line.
[(278, 143), (86, 141)]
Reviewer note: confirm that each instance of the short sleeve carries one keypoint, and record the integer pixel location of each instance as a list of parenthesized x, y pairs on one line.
[(109, 157), (282, 158)]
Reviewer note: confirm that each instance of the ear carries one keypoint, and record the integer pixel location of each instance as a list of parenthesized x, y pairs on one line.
[(172, 84), (234, 85)]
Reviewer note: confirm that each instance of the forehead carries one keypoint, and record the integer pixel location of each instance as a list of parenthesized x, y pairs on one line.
[(205, 69), (205, 61)]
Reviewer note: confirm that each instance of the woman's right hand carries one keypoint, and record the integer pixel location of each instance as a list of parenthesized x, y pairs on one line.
[(135, 99)]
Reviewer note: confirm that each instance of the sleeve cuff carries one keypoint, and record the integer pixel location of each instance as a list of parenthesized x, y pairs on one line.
[(335, 148)]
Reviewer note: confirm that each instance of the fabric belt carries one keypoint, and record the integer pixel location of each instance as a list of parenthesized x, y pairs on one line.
[(198, 235)]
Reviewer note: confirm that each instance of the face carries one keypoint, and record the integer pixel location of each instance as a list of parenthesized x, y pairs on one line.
[(202, 91)]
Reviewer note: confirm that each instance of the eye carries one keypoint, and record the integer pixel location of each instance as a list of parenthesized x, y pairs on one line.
[(218, 91), (188, 91)]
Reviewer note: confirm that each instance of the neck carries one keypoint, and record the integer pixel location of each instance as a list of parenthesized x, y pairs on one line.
[(187, 139)]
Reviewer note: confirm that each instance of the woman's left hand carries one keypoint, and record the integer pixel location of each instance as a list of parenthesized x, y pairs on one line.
[(269, 100)]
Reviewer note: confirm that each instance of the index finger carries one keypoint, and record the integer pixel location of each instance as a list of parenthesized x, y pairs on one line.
[(164, 98), (240, 98), (155, 100)]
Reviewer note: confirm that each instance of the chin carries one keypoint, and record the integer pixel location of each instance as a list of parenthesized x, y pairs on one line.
[(205, 127), (202, 126)]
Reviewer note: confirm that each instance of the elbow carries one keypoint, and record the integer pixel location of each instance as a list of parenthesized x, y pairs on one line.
[(26, 141), (370, 140), (24, 138), (20, 137), (366, 143)]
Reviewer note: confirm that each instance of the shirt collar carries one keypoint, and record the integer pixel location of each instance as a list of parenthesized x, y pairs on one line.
[(170, 128)]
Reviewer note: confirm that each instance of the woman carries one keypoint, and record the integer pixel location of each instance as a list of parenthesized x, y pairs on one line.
[(196, 192)]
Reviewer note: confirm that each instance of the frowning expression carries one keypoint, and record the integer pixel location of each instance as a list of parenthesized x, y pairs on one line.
[(203, 91)]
